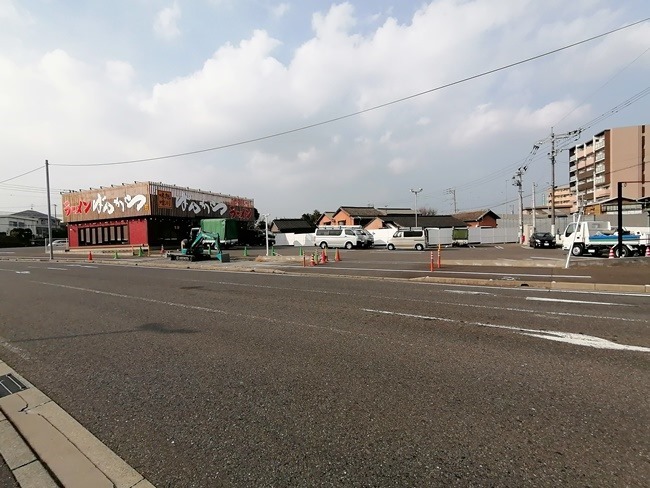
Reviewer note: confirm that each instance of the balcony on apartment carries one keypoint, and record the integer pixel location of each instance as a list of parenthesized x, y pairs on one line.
[(602, 193)]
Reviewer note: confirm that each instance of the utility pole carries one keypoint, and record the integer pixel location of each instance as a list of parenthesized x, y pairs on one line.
[(552, 154), (452, 192), (518, 183), (534, 208), (266, 229), (49, 211), (416, 191)]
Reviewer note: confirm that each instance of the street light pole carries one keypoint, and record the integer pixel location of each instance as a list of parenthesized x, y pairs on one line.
[(416, 191), (266, 228), (49, 211)]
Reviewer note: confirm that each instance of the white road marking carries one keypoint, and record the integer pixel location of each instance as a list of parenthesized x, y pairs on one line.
[(81, 266), (281, 321), (59, 269), (550, 275), (441, 271), (568, 337), (564, 292), (561, 300), (468, 292), (417, 300), (15, 349), (22, 272)]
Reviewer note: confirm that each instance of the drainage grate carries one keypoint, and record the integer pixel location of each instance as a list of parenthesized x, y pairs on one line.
[(9, 385)]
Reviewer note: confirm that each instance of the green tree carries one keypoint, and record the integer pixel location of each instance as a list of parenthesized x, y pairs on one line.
[(312, 217)]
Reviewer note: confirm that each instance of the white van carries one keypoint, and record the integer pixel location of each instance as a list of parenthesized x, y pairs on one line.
[(348, 238), (407, 239)]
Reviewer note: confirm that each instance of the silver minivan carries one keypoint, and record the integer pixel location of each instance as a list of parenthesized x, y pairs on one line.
[(325, 237), (407, 239)]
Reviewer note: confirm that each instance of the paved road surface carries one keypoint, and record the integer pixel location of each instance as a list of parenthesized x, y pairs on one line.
[(246, 379)]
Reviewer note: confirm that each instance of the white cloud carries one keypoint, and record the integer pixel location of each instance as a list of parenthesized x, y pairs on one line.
[(245, 88), (165, 24), (400, 166), (12, 14), (278, 11), (487, 121), (119, 72)]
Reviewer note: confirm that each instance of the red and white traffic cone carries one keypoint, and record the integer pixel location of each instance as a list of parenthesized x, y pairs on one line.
[(611, 253), (647, 251), (313, 261)]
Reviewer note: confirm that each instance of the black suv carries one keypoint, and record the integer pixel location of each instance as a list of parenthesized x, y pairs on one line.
[(542, 239)]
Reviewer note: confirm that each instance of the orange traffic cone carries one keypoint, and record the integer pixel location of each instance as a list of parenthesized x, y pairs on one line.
[(323, 257), (90, 256), (313, 261), (647, 251), (337, 256), (611, 253)]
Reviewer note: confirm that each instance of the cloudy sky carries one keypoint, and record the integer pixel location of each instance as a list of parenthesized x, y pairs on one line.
[(85, 83)]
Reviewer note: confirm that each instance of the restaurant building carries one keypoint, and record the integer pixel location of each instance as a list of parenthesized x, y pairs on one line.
[(145, 213)]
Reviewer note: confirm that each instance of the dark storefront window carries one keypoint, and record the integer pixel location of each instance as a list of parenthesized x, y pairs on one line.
[(104, 235)]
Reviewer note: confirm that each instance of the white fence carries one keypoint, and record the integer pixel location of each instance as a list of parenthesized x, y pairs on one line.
[(497, 235), (292, 239)]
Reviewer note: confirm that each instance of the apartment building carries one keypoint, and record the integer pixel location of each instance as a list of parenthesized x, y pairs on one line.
[(614, 155), (565, 198)]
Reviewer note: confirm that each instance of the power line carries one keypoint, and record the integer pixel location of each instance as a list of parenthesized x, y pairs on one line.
[(359, 112), (495, 175), (590, 96), (23, 174)]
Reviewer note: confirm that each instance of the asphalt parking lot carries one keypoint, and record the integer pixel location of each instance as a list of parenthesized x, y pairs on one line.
[(488, 262)]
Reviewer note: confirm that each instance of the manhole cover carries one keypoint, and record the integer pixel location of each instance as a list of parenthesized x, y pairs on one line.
[(9, 385)]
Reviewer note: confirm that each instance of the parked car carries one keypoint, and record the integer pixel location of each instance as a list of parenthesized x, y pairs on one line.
[(59, 243), (367, 240), (542, 239), (407, 239), (325, 237)]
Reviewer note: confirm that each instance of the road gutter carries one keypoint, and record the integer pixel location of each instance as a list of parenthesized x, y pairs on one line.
[(44, 446)]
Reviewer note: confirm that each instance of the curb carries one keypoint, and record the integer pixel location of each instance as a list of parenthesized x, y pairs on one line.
[(44, 446)]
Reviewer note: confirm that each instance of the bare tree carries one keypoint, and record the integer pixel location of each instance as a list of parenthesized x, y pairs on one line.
[(427, 211)]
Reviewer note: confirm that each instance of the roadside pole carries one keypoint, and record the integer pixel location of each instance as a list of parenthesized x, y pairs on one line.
[(573, 239), (49, 212)]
